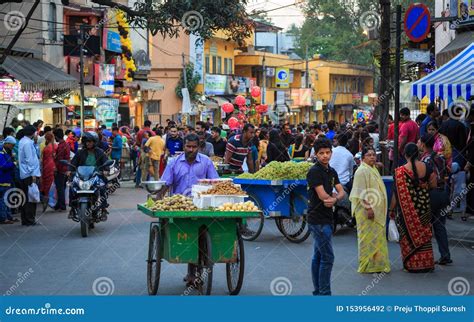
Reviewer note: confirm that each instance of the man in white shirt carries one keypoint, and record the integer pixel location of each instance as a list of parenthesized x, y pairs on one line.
[(342, 161)]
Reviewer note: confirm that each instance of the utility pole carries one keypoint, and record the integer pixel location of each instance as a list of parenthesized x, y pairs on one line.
[(185, 76), (185, 89), (307, 68), (264, 87), (397, 85), (81, 72), (384, 93)]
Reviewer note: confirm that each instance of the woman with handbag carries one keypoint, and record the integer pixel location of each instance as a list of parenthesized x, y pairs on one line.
[(369, 207)]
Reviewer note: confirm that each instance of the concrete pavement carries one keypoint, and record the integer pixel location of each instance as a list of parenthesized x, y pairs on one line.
[(53, 259)]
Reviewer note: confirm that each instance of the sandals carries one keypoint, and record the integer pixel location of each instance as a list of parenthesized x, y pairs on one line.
[(6, 222)]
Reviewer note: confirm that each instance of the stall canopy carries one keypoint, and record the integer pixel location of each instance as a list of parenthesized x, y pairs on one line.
[(452, 80), (37, 75)]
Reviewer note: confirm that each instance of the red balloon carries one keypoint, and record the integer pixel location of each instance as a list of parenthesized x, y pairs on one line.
[(263, 108), (255, 91), (241, 116), (228, 107), (233, 123), (240, 100)]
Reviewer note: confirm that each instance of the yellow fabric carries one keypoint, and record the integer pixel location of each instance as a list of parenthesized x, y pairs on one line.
[(368, 185), (157, 147), (372, 243), (262, 150)]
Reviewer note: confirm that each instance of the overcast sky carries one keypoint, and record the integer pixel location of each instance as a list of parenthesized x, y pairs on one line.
[(282, 17)]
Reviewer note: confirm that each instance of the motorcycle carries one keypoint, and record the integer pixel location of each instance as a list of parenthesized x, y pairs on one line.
[(85, 198), (112, 174), (343, 213)]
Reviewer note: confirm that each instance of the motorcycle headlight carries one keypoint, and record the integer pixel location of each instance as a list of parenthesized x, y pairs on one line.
[(84, 185)]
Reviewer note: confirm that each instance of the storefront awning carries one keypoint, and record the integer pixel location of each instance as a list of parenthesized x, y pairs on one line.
[(454, 79), (27, 106), (144, 85), (215, 102), (37, 75)]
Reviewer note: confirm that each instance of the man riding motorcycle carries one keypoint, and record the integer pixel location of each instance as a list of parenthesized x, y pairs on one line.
[(91, 155)]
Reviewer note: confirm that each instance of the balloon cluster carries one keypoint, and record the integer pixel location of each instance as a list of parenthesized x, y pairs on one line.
[(123, 28)]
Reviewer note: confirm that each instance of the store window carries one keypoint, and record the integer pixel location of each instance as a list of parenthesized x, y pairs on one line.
[(207, 62), (231, 65), (226, 65), (52, 23), (214, 64), (154, 107), (219, 65)]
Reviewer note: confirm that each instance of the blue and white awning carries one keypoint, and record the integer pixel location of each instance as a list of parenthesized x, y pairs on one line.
[(452, 80)]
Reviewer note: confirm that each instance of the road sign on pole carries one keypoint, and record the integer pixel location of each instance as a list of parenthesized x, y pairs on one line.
[(417, 22)]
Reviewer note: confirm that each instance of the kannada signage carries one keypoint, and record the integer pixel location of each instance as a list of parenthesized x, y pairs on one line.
[(106, 110), (111, 39), (11, 92)]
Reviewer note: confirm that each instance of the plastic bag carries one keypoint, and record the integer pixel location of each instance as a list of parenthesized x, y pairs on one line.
[(52, 196), (393, 234), (33, 193)]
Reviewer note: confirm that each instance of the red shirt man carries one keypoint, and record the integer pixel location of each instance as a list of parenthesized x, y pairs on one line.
[(140, 133), (409, 130)]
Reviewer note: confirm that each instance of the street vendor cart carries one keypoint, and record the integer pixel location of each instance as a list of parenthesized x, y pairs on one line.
[(286, 201), (202, 238)]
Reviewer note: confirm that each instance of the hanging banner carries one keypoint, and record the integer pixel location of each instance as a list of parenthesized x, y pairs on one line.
[(11, 92), (106, 111), (106, 78)]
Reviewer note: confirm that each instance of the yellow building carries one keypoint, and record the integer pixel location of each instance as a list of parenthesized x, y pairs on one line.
[(341, 87), (282, 94)]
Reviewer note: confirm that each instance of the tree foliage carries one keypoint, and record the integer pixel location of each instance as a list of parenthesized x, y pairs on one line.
[(332, 28), (200, 17), (192, 80)]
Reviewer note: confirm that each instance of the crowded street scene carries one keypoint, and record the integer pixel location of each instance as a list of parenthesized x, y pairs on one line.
[(295, 148)]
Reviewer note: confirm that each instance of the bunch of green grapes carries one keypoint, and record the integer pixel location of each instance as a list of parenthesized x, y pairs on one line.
[(281, 171)]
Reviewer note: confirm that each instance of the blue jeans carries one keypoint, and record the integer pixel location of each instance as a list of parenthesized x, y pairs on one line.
[(5, 212), (323, 258)]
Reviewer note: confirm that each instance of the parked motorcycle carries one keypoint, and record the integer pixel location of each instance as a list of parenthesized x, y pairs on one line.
[(112, 173), (85, 197)]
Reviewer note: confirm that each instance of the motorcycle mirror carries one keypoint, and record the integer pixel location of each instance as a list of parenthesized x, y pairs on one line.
[(107, 163)]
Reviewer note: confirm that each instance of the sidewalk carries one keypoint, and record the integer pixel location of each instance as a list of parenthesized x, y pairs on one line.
[(461, 232)]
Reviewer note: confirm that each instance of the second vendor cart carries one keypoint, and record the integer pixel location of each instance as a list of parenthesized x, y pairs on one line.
[(284, 200)]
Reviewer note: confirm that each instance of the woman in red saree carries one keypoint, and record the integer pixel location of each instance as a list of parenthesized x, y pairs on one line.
[(414, 213), (48, 165)]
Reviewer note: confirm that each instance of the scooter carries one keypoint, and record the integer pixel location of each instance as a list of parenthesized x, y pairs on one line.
[(85, 198), (112, 174)]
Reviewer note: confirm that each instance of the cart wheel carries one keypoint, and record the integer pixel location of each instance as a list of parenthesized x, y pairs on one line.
[(253, 226), (203, 273), (154, 260), (294, 228), (235, 271)]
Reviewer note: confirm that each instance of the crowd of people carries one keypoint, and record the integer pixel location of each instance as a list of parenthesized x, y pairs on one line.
[(435, 166)]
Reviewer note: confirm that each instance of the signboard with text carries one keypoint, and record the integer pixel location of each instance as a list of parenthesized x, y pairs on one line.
[(282, 77), (11, 92)]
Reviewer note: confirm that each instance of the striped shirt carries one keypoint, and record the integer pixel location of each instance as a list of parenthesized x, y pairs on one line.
[(238, 150)]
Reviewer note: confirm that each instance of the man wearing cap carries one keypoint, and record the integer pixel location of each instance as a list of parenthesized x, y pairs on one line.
[(29, 173), (7, 173)]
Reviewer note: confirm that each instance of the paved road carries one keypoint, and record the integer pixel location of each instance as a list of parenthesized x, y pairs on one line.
[(52, 259)]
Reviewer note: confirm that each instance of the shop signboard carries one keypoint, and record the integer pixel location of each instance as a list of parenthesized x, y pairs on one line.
[(215, 84), (11, 92), (226, 85), (305, 96), (106, 78), (106, 111), (282, 77)]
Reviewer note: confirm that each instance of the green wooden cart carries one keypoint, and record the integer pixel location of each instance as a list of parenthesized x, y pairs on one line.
[(202, 238)]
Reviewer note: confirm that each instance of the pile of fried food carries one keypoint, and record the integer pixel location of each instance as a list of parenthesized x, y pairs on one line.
[(174, 203), (226, 188)]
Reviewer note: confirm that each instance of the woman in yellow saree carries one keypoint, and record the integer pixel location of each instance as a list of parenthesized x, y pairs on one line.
[(369, 207)]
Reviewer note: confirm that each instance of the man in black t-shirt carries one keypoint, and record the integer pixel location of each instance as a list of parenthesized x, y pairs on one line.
[(322, 179), (218, 143)]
